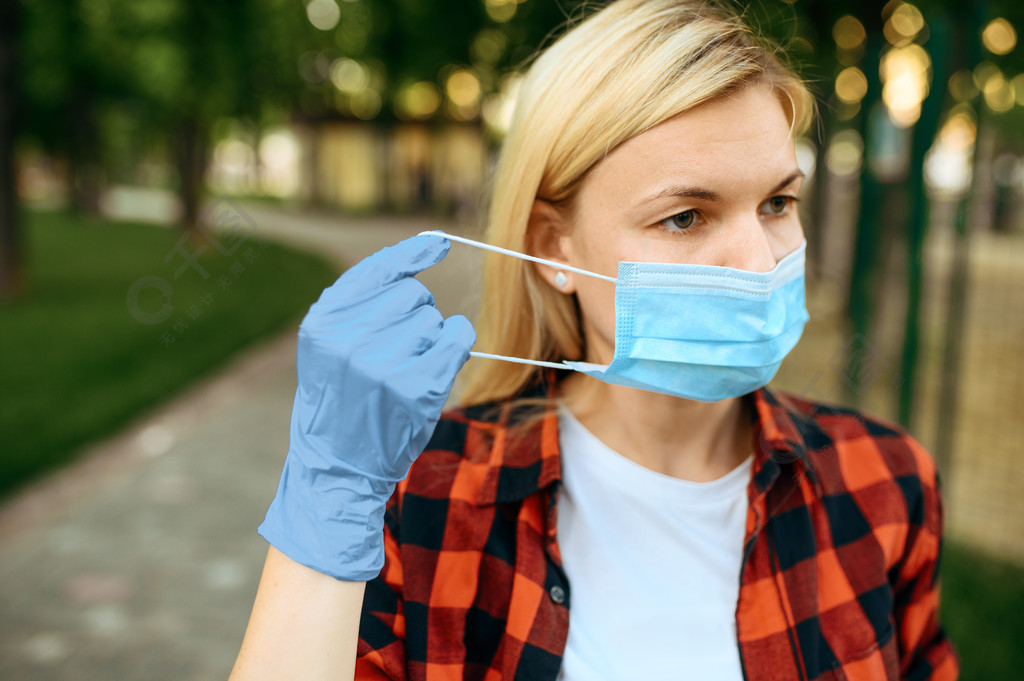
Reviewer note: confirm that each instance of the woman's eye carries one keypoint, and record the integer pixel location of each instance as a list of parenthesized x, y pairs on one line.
[(778, 205), (681, 221)]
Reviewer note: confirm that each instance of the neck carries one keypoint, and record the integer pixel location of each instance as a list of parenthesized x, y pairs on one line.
[(698, 441)]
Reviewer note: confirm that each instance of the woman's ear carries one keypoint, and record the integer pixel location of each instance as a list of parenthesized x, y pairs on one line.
[(546, 237)]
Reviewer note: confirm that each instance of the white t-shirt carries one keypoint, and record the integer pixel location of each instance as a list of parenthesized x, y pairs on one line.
[(653, 564)]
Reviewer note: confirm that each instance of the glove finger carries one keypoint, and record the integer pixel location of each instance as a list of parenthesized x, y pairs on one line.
[(419, 359), (451, 351), (460, 331), (404, 338), (374, 309), (405, 259)]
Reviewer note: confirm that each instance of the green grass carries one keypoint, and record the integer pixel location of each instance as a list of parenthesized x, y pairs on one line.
[(75, 364), (983, 612)]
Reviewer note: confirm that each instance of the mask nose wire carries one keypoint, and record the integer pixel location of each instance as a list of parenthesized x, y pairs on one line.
[(521, 256)]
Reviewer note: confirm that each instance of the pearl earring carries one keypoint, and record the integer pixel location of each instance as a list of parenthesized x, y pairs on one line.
[(561, 280)]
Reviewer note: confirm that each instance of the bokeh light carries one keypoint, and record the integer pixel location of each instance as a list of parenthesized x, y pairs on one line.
[(851, 85), (349, 76), (845, 153), (948, 163), (962, 87), (847, 112), (498, 107), (982, 72), (501, 10), (365, 104), (463, 87), (357, 92), (999, 36), (1018, 88), (418, 101), (904, 24), (463, 90), (960, 130), (905, 74), (233, 161), (999, 93), (488, 46), (848, 33), (280, 158), (323, 14)]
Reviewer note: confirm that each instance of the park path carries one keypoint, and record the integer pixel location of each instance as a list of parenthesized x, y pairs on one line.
[(141, 560)]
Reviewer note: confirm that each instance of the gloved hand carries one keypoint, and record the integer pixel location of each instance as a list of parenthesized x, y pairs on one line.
[(376, 361)]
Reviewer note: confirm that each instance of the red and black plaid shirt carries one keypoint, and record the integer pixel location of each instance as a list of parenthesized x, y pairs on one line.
[(838, 578)]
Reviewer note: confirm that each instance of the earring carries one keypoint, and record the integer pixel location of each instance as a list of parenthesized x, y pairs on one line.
[(561, 280)]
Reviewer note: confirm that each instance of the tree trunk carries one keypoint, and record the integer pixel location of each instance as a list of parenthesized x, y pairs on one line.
[(822, 15), (10, 243), (191, 161), (257, 167), (84, 168), (814, 228), (863, 271), (315, 195), (917, 218)]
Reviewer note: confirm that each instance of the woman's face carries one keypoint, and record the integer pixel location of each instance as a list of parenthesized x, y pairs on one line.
[(716, 185)]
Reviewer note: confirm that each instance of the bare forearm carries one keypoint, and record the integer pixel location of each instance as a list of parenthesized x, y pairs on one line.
[(304, 625)]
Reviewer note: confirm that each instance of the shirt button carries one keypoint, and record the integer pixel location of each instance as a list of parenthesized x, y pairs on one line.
[(557, 594)]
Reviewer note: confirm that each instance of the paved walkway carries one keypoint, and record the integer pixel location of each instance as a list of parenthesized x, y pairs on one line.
[(141, 561)]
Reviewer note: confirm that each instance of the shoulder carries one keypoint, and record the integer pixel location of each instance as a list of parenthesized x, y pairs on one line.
[(873, 477), (858, 447), (866, 465)]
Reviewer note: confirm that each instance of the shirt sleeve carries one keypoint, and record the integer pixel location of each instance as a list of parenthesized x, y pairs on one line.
[(381, 650), (925, 650)]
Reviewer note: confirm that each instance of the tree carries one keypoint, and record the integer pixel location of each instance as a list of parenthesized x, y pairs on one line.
[(10, 260)]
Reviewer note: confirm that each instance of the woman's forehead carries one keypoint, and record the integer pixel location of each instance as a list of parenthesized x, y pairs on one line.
[(744, 138)]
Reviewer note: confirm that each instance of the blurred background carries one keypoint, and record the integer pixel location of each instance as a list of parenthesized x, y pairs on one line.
[(179, 180)]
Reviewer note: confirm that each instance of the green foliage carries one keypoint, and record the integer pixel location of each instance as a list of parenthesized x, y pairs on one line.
[(983, 612), (76, 365), (158, 62), (225, 58)]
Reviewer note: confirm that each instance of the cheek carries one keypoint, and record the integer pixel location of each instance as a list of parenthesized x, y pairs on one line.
[(593, 250), (597, 244), (597, 308), (788, 240)]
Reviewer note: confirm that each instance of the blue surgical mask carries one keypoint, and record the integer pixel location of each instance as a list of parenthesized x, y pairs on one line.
[(696, 331)]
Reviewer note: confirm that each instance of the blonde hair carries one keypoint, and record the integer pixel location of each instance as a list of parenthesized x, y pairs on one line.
[(623, 70)]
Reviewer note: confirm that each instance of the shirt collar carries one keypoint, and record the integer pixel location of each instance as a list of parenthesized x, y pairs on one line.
[(786, 432), (514, 445), (515, 448)]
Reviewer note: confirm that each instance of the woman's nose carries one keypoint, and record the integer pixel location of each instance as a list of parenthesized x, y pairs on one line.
[(749, 248)]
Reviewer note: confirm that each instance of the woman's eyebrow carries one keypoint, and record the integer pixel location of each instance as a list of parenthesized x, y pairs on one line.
[(796, 175), (683, 191), (689, 192)]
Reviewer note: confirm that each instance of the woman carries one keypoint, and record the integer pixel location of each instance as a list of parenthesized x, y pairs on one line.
[(654, 512)]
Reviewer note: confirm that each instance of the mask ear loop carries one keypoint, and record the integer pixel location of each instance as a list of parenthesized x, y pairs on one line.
[(521, 256), (517, 254)]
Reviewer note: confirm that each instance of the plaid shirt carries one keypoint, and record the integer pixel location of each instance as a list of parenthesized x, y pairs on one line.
[(839, 577)]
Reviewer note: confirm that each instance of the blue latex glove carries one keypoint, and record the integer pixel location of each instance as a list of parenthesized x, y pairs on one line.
[(376, 361)]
